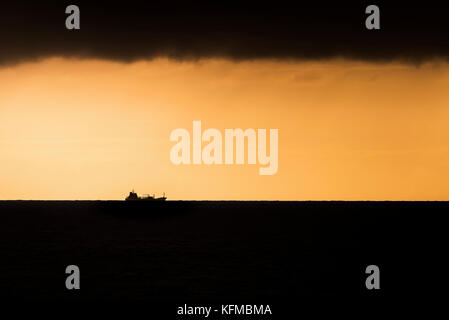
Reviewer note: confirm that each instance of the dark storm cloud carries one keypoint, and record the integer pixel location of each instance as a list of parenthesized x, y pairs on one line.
[(129, 31)]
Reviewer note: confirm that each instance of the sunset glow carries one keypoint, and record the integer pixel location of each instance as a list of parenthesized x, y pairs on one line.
[(93, 129)]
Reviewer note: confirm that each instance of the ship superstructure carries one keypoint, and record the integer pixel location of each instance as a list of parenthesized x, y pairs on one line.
[(133, 196)]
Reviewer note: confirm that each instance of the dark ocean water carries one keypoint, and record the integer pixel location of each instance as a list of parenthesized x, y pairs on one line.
[(220, 251)]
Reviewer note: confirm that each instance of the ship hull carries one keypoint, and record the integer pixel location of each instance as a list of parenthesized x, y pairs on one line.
[(147, 199)]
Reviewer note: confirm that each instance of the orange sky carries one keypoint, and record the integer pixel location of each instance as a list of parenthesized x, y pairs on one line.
[(89, 129)]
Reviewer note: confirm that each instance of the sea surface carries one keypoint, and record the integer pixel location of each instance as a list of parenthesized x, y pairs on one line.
[(220, 251)]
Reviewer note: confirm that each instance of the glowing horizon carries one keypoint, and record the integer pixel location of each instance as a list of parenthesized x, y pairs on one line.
[(93, 130)]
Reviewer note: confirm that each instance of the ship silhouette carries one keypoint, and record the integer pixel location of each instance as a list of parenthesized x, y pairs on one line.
[(146, 197)]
